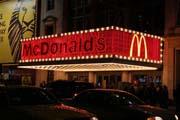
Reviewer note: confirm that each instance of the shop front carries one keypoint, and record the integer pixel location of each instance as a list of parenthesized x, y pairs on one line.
[(103, 56)]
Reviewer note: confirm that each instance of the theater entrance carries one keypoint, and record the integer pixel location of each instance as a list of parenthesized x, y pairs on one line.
[(108, 79)]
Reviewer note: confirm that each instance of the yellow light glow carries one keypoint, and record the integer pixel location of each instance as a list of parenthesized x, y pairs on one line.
[(102, 29), (91, 67), (138, 41), (107, 28)]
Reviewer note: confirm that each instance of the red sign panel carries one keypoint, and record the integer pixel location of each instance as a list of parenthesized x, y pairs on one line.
[(93, 43)]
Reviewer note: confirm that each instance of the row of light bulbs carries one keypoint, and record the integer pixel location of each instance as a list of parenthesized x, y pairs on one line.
[(93, 57), (95, 30)]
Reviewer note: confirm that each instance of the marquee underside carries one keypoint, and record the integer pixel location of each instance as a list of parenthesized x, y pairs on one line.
[(90, 67)]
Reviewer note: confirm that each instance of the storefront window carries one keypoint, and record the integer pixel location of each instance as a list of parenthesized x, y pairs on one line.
[(78, 76), (99, 82), (145, 79), (108, 80)]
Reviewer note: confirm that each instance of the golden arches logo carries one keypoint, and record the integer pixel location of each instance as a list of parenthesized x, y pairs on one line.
[(139, 42)]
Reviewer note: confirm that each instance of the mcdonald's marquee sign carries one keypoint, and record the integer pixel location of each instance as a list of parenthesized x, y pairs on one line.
[(97, 43)]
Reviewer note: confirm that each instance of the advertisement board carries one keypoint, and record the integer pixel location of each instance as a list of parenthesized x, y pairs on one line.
[(17, 21), (90, 44)]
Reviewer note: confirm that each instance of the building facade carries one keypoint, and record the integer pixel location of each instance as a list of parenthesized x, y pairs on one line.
[(76, 15), (67, 16), (172, 44), (104, 56), (58, 16)]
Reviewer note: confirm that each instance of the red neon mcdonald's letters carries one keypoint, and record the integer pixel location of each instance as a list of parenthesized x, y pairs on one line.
[(53, 47), (114, 42)]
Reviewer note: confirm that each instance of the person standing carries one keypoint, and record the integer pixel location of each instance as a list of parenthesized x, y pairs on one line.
[(177, 97)]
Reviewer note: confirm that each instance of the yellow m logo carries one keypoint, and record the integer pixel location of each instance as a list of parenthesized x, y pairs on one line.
[(139, 42)]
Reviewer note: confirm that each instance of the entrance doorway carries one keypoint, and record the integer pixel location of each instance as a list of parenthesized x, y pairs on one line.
[(108, 80)]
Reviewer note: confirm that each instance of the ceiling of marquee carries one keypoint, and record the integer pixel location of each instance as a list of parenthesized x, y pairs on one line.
[(90, 67)]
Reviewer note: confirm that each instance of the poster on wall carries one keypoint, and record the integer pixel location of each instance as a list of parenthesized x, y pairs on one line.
[(26, 80), (17, 21)]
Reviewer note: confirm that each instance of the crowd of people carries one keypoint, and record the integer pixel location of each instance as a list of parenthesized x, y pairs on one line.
[(177, 98), (151, 94)]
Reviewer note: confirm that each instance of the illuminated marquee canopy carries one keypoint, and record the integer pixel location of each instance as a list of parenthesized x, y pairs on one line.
[(109, 42)]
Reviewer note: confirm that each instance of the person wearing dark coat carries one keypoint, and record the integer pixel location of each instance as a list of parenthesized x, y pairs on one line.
[(177, 97)]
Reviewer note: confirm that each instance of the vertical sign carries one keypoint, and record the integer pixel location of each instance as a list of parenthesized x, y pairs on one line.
[(17, 21)]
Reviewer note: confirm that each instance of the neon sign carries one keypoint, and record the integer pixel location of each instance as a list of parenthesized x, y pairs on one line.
[(54, 47), (138, 41), (93, 44)]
